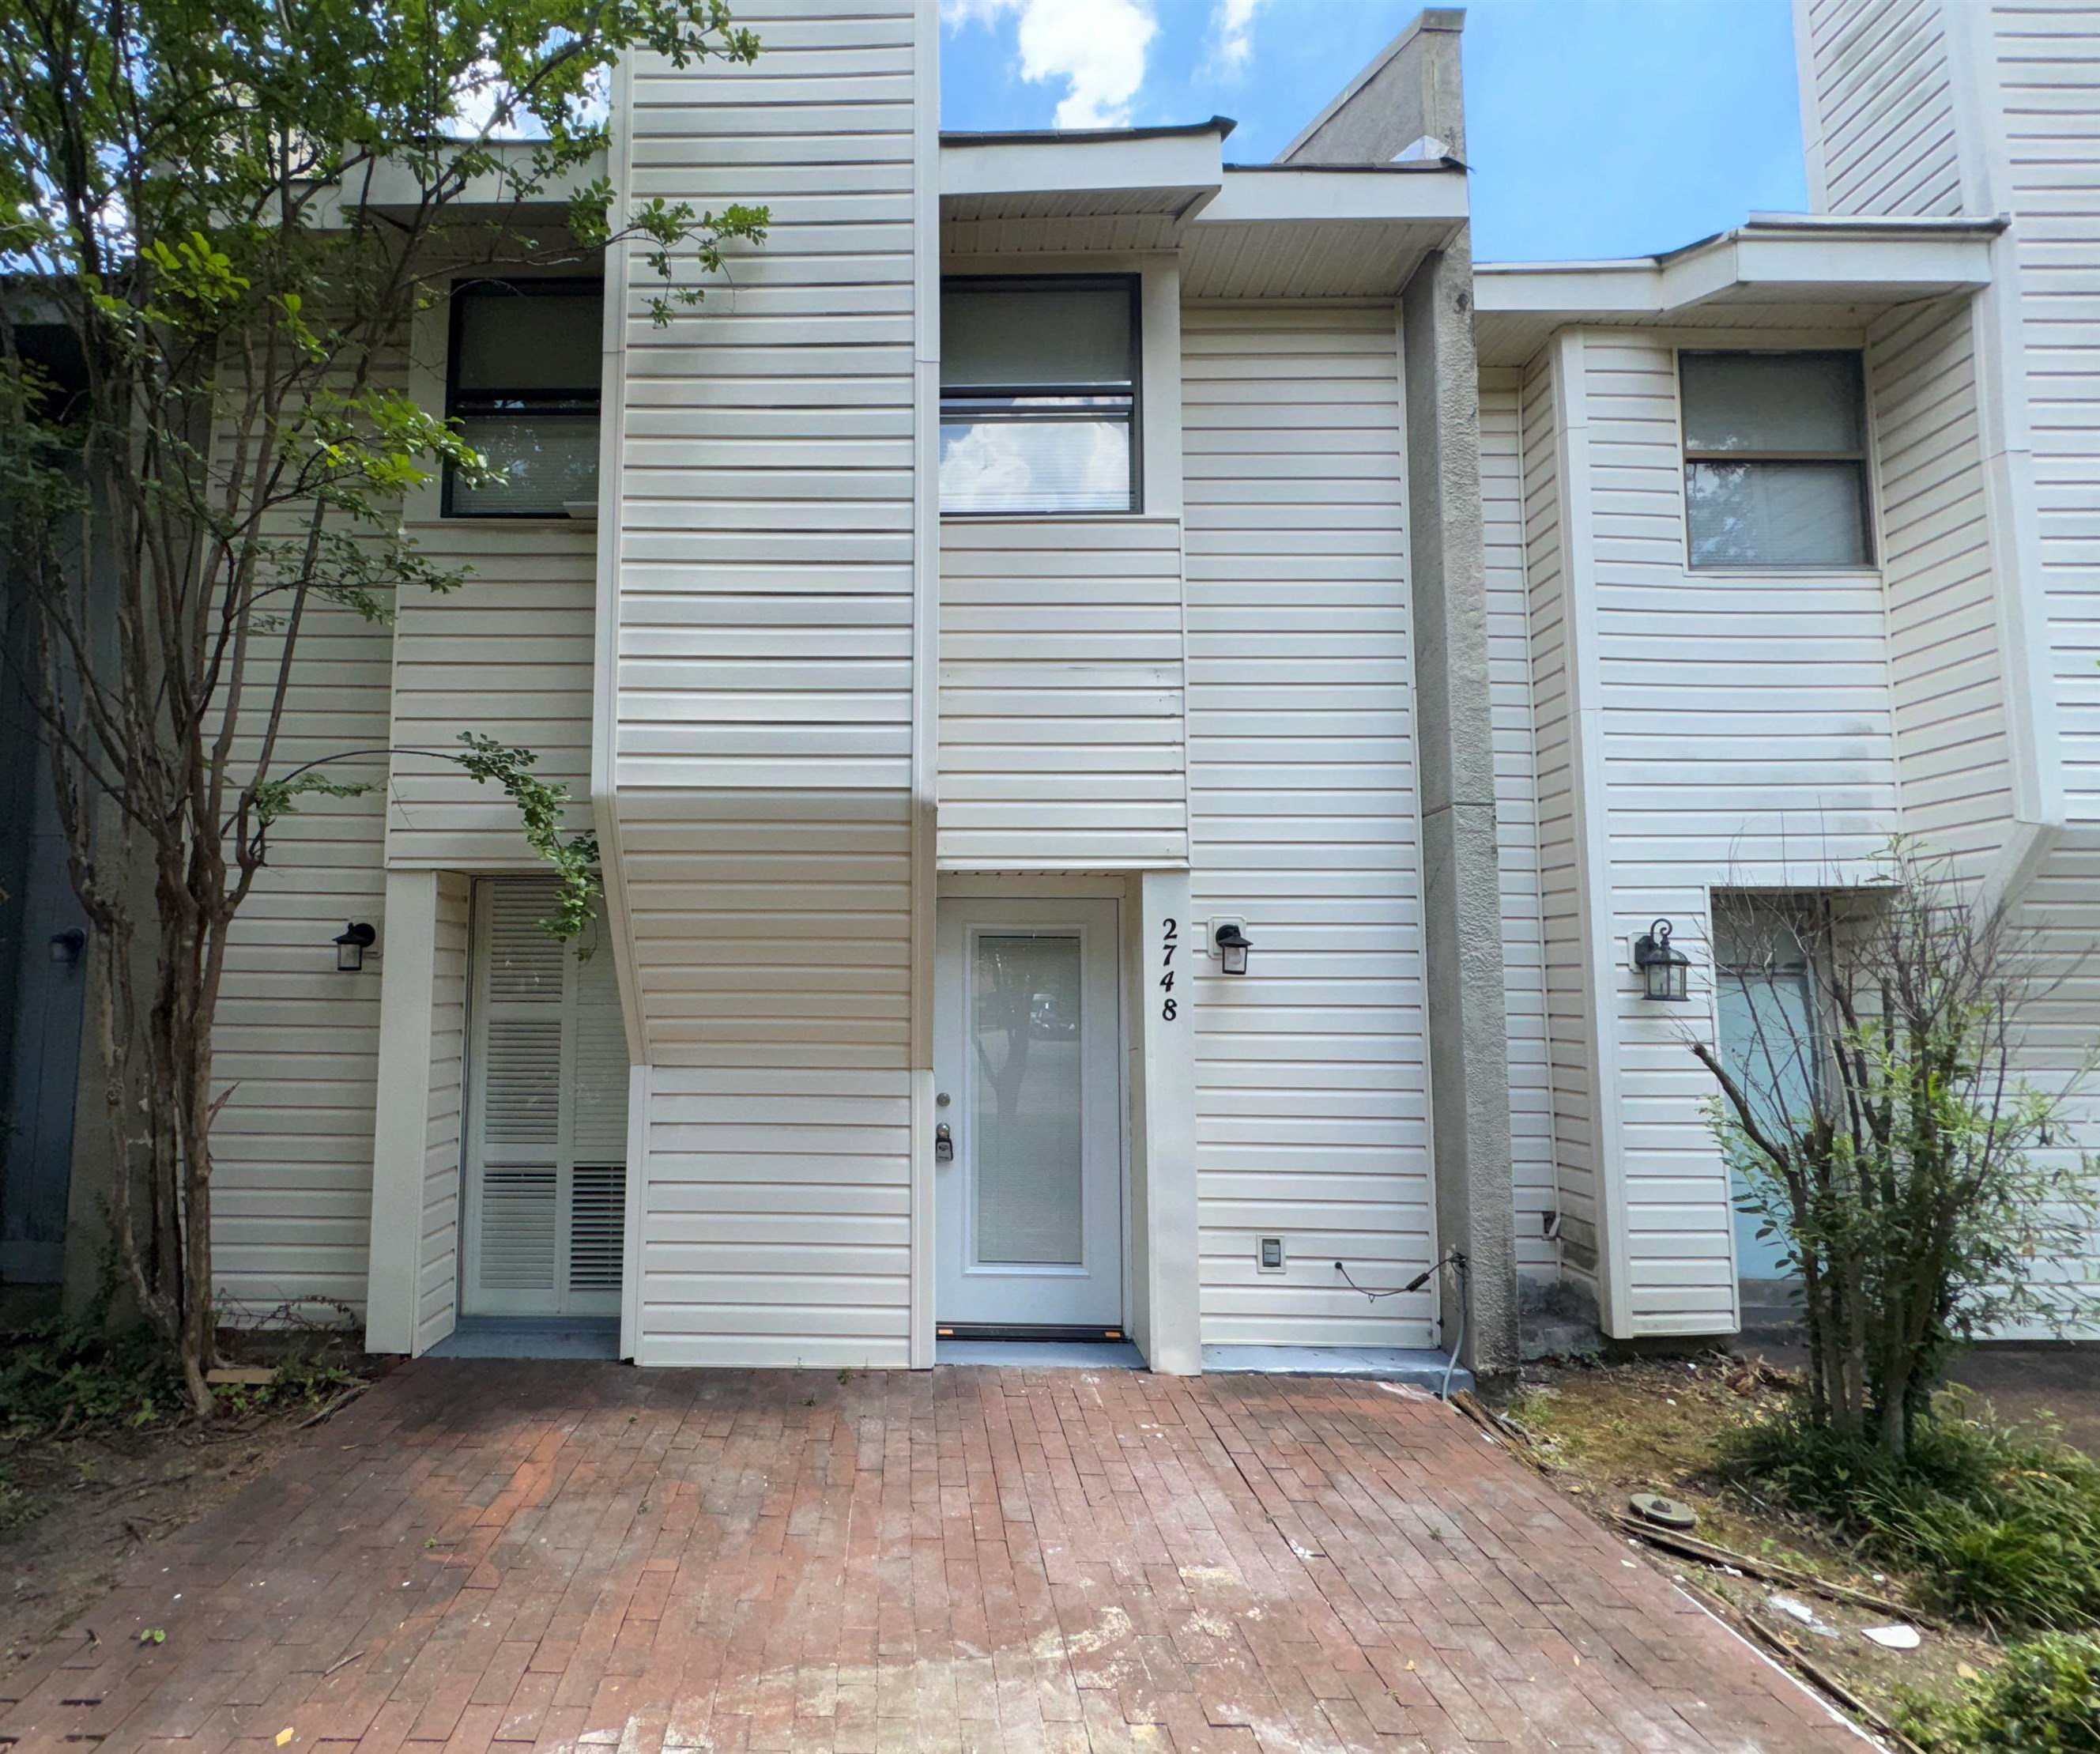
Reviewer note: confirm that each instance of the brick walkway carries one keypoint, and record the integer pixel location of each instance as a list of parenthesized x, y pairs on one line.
[(495, 1555)]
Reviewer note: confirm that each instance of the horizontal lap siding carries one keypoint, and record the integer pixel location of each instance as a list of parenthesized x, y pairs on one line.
[(436, 1277), (1947, 686), (1311, 1102), (1062, 695), (508, 655), (2049, 74), (1884, 106), (764, 702), (1516, 815), (1747, 739), (1563, 922), (296, 1043), (2060, 1020)]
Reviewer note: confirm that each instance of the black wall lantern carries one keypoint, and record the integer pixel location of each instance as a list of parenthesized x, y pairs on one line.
[(350, 944), (1665, 969), (1233, 945)]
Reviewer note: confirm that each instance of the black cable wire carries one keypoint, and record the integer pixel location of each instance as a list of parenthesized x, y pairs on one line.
[(1451, 1257)]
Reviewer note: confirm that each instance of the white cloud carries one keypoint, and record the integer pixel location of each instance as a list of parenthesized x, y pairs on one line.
[(1233, 31), (1097, 47)]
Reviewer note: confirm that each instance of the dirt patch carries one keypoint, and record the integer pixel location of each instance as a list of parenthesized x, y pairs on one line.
[(1604, 1432), (76, 1504)]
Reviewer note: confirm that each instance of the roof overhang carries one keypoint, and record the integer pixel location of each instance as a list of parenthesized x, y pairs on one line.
[(1781, 263), (1252, 231), (1111, 174)]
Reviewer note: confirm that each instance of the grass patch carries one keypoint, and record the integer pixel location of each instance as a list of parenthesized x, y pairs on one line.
[(1999, 1527), (2045, 1695)]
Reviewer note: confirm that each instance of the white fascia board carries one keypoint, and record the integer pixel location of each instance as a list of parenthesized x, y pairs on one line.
[(1764, 265), (393, 185), (1265, 194), (1082, 164)]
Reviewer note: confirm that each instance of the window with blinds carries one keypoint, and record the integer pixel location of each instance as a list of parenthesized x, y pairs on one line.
[(1039, 395), (1775, 460), (547, 1120)]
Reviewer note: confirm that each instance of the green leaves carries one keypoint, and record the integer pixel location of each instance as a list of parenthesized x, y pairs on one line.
[(541, 808)]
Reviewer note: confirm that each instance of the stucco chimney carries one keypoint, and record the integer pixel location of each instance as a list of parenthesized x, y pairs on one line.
[(1409, 103)]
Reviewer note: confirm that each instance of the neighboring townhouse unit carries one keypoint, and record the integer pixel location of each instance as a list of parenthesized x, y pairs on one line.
[(1792, 549), (1134, 708)]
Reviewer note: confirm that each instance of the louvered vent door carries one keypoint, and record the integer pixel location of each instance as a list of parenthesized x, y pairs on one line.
[(547, 1156)]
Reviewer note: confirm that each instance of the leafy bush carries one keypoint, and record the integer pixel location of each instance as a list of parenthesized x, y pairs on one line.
[(2001, 1526), (2045, 1695), (61, 1375)]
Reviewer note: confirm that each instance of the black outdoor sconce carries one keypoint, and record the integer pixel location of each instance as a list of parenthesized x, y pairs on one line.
[(350, 944), (67, 946), (1665, 969), (1233, 945)]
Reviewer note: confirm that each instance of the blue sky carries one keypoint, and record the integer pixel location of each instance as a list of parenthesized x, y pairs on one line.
[(1597, 127)]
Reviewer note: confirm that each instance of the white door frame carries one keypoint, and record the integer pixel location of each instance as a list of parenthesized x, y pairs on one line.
[(1096, 920)]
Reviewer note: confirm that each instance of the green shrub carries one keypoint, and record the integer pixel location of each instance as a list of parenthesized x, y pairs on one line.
[(2045, 1695), (60, 1375), (2001, 1526)]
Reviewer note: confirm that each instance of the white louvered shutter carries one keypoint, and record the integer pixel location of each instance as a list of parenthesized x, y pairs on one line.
[(548, 1135)]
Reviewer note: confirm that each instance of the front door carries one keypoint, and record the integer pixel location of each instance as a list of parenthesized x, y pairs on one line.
[(1027, 1059)]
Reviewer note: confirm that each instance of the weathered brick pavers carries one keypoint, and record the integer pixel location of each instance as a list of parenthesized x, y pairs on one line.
[(486, 1555)]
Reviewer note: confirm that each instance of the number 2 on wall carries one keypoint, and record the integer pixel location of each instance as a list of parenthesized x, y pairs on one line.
[(1167, 944)]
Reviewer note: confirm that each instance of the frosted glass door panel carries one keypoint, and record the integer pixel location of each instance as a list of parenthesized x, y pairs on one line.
[(1030, 1204), (1028, 1193)]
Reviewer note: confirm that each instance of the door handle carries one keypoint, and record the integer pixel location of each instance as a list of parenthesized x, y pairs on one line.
[(944, 1144)]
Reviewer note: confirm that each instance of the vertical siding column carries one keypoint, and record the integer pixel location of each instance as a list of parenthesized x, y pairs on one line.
[(1162, 1125), (407, 974), (769, 758), (1462, 923)]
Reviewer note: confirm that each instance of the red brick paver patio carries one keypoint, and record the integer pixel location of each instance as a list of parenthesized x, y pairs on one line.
[(483, 1556)]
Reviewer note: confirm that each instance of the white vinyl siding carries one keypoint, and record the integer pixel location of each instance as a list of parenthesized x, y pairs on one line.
[(1883, 110), (1517, 817), (508, 654), (1311, 1100), (1062, 695), (2061, 908), (1572, 1047), (437, 1276), (2049, 80), (762, 756), (1945, 673), (296, 1043), (1747, 739)]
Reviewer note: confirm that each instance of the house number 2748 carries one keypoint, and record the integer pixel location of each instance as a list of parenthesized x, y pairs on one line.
[(1169, 942)]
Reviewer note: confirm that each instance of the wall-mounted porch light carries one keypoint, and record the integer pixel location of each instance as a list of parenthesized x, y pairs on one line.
[(1662, 968), (67, 946), (350, 944), (1233, 945)]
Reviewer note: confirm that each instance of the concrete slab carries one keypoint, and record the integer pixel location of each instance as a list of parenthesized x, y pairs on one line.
[(1420, 1365), (492, 1336)]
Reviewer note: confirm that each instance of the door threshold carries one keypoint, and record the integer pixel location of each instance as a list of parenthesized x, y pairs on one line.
[(1078, 1333)]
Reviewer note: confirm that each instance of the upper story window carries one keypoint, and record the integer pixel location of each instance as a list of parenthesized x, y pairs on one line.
[(1038, 395), (1775, 460), (521, 380)]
